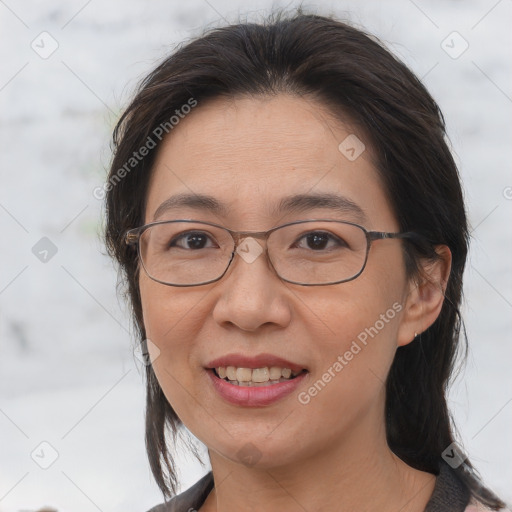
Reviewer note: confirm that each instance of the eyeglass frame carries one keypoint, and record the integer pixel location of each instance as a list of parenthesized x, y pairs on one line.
[(132, 237)]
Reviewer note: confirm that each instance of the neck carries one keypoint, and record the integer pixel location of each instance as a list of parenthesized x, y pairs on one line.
[(359, 475)]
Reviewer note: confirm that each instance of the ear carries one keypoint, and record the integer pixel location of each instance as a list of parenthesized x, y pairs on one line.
[(425, 296)]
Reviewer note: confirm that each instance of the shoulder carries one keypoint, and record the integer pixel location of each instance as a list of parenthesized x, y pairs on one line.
[(476, 506), (450, 493), (189, 500)]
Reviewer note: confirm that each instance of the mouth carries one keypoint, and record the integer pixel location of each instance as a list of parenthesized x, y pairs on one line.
[(254, 381), (256, 377)]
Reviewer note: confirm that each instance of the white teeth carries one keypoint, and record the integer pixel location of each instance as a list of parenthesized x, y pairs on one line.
[(243, 374), (275, 373), (258, 384), (286, 372), (260, 375), (231, 373), (255, 377)]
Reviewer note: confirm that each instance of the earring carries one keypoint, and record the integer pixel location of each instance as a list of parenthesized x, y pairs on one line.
[(415, 334)]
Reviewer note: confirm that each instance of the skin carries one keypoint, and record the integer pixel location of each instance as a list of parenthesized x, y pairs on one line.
[(330, 454)]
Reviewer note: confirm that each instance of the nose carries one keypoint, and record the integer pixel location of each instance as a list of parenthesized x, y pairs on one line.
[(251, 294)]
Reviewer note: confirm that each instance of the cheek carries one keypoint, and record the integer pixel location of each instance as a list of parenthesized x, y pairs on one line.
[(169, 321), (359, 330), (355, 327), (370, 302), (350, 374)]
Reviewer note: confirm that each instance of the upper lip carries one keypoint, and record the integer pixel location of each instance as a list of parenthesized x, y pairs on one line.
[(257, 361)]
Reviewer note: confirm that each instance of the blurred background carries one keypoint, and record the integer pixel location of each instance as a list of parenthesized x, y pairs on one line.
[(71, 387)]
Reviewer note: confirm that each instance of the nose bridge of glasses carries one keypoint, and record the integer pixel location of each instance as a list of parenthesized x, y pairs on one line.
[(251, 245), (240, 236)]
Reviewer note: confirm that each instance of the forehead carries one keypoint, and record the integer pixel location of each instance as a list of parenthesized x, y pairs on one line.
[(250, 152), (235, 128)]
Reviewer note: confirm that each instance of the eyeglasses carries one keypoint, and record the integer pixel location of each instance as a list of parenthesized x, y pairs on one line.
[(307, 252)]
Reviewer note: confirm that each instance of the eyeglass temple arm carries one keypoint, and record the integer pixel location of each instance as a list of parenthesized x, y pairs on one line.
[(380, 235), (422, 242)]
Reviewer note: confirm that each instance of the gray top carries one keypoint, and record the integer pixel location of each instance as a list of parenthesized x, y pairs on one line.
[(449, 495)]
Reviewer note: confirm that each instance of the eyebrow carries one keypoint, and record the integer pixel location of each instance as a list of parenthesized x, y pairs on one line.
[(298, 203)]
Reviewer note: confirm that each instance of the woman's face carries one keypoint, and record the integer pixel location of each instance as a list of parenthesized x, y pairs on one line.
[(250, 154)]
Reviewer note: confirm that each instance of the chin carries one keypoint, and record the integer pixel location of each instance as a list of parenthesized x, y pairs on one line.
[(259, 453)]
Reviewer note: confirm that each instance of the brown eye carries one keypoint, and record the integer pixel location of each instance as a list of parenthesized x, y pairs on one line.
[(193, 240), (318, 240)]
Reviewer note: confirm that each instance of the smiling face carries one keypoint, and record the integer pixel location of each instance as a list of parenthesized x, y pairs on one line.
[(250, 154)]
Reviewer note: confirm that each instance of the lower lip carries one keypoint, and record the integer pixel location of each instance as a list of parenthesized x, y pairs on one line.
[(254, 396)]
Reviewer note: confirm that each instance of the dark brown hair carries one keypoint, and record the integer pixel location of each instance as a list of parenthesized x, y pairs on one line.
[(347, 71)]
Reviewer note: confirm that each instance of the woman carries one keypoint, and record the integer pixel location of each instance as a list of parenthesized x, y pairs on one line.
[(290, 224)]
